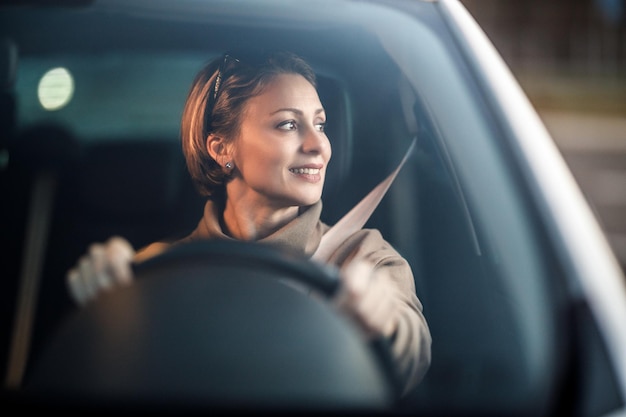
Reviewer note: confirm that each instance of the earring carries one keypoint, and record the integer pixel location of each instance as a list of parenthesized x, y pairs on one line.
[(229, 165)]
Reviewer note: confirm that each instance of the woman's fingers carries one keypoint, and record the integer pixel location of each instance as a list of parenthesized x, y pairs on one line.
[(355, 280), (367, 298), (86, 269), (119, 255), (380, 307), (102, 268), (98, 276), (76, 286)]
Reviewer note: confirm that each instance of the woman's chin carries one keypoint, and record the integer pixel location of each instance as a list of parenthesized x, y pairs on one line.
[(309, 200)]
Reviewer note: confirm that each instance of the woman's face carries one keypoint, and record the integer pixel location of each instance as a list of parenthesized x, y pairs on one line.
[(281, 152)]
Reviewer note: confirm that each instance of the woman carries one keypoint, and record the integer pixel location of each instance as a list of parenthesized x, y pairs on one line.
[(253, 137)]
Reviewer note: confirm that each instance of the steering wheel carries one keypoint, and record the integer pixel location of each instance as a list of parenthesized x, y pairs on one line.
[(212, 324), (242, 257)]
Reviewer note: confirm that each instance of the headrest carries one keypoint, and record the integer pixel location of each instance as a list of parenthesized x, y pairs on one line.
[(8, 64)]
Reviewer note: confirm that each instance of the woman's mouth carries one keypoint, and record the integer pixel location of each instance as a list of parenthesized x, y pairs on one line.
[(308, 174), (307, 171)]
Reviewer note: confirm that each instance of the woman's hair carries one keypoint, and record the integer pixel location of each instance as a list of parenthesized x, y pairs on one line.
[(215, 104)]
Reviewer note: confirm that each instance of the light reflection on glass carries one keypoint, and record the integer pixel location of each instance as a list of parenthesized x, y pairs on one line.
[(55, 89)]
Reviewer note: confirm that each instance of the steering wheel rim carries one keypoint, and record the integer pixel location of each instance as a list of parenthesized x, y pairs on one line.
[(219, 252)]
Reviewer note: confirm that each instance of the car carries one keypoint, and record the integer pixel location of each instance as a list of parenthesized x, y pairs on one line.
[(523, 296)]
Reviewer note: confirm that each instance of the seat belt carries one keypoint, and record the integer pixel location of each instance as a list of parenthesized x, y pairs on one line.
[(356, 218)]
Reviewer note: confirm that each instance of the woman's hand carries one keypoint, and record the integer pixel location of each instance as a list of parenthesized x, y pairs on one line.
[(106, 265), (367, 297)]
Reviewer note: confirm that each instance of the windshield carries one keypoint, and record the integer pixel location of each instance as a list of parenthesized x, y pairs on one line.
[(458, 212)]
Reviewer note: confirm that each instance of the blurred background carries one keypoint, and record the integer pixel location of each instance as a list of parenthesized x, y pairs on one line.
[(570, 58)]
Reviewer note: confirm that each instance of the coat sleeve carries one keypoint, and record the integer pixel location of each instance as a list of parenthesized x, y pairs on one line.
[(411, 342), (150, 251)]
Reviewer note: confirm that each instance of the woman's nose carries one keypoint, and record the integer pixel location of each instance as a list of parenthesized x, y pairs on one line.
[(315, 141)]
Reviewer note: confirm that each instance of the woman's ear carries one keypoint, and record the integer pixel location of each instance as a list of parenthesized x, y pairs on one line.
[(217, 149)]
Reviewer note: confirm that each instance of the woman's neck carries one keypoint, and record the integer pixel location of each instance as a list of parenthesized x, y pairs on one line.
[(244, 221)]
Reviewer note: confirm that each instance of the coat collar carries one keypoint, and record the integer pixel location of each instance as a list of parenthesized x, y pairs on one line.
[(302, 234)]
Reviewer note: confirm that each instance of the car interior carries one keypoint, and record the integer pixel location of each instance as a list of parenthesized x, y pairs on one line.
[(110, 163)]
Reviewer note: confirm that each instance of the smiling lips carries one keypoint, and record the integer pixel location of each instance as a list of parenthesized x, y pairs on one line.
[(307, 173)]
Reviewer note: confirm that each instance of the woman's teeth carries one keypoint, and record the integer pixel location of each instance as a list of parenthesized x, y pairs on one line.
[(310, 171)]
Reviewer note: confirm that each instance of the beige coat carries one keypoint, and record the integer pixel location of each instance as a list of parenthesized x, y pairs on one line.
[(411, 342)]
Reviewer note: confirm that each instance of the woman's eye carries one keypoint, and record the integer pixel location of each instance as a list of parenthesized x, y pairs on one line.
[(287, 125), (320, 126)]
